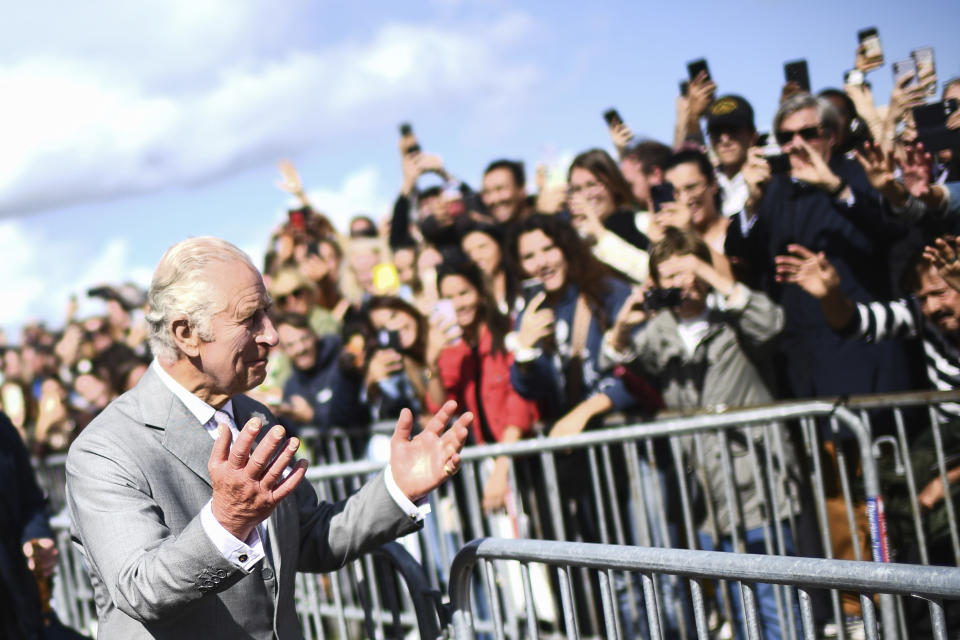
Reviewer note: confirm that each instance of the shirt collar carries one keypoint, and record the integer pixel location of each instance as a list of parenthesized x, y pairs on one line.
[(202, 411)]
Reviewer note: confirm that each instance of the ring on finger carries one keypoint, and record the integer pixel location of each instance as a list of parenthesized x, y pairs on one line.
[(449, 469)]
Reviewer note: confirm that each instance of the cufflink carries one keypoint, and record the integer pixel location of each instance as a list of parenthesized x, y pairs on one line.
[(243, 558)]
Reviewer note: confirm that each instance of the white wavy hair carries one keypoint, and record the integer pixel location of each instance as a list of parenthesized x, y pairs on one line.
[(181, 287)]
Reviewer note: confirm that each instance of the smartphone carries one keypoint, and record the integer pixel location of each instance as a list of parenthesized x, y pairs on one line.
[(684, 88), (444, 310), (408, 141), (932, 131), (923, 58), (696, 66), (796, 71), (612, 117), (902, 68), (853, 76), (529, 289), (762, 139), (870, 42), (298, 221), (660, 194)]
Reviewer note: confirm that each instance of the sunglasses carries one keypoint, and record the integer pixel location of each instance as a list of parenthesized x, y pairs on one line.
[(296, 293), (807, 133)]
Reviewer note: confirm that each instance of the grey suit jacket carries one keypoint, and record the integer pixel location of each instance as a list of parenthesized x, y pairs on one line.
[(137, 480)]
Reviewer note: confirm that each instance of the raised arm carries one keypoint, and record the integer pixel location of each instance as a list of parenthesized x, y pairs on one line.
[(813, 273)]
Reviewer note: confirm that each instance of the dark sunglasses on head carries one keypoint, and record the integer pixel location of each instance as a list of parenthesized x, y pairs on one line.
[(807, 133)]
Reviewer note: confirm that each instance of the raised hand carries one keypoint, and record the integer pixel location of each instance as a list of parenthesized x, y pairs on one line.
[(290, 179), (631, 314), (536, 323), (700, 94), (621, 135), (247, 487), (421, 464), (943, 254), (879, 167), (813, 169), (811, 271), (756, 173), (916, 166)]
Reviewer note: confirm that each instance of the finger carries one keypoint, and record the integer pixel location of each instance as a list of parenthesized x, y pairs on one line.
[(800, 251), (457, 434), (259, 460), (221, 446), (240, 451), (278, 467), (404, 426), (288, 484), (441, 417), (536, 301)]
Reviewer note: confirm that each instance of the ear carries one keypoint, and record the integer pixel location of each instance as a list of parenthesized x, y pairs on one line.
[(185, 337)]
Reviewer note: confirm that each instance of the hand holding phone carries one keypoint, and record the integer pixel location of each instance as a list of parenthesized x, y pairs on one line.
[(869, 50), (797, 72), (926, 70)]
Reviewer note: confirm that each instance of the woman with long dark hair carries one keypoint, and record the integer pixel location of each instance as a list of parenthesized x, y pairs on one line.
[(603, 210), (475, 370), (483, 244), (562, 376)]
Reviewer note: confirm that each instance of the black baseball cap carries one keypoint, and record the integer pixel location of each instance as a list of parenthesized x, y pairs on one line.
[(728, 112)]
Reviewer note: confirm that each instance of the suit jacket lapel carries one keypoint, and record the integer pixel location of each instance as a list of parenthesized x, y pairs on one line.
[(183, 436)]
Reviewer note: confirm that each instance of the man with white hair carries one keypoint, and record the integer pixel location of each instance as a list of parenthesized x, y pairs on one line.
[(186, 531), (824, 203)]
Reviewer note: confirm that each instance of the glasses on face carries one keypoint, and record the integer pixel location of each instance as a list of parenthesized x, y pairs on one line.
[(807, 133), (296, 293), (690, 190), (593, 185), (732, 131)]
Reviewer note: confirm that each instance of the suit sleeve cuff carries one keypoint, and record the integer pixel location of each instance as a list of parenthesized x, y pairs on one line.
[(243, 555), (415, 512)]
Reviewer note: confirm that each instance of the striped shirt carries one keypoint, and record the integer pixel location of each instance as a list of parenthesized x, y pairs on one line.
[(903, 318)]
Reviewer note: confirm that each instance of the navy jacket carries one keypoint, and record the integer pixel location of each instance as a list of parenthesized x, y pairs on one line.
[(543, 381), (333, 394), (856, 239), (23, 516)]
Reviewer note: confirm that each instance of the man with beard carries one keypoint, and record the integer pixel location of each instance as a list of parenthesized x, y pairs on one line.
[(317, 378), (931, 313)]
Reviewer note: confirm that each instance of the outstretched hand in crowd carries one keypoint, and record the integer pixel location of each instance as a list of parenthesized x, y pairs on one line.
[(811, 271), (943, 254)]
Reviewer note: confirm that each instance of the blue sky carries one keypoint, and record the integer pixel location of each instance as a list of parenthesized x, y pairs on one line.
[(126, 127)]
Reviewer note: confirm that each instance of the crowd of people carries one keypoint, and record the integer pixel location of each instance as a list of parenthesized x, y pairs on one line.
[(724, 268)]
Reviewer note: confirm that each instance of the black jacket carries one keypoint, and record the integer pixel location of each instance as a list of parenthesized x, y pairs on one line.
[(23, 516)]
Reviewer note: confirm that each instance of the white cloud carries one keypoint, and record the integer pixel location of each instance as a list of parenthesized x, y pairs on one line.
[(79, 130), (41, 271)]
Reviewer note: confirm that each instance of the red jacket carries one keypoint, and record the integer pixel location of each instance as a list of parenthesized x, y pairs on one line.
[(502, 405)]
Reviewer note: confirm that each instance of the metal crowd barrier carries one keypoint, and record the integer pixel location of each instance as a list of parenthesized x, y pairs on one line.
[(933, 584), (655, 469), (384, 594)]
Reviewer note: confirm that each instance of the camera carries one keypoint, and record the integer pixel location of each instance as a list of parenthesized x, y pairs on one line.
[(655, 299)]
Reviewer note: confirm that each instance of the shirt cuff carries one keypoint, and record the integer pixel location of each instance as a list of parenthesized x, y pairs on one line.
[(737, 299), (612, 355), (243, 555), (520, 354), (415, 512)]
